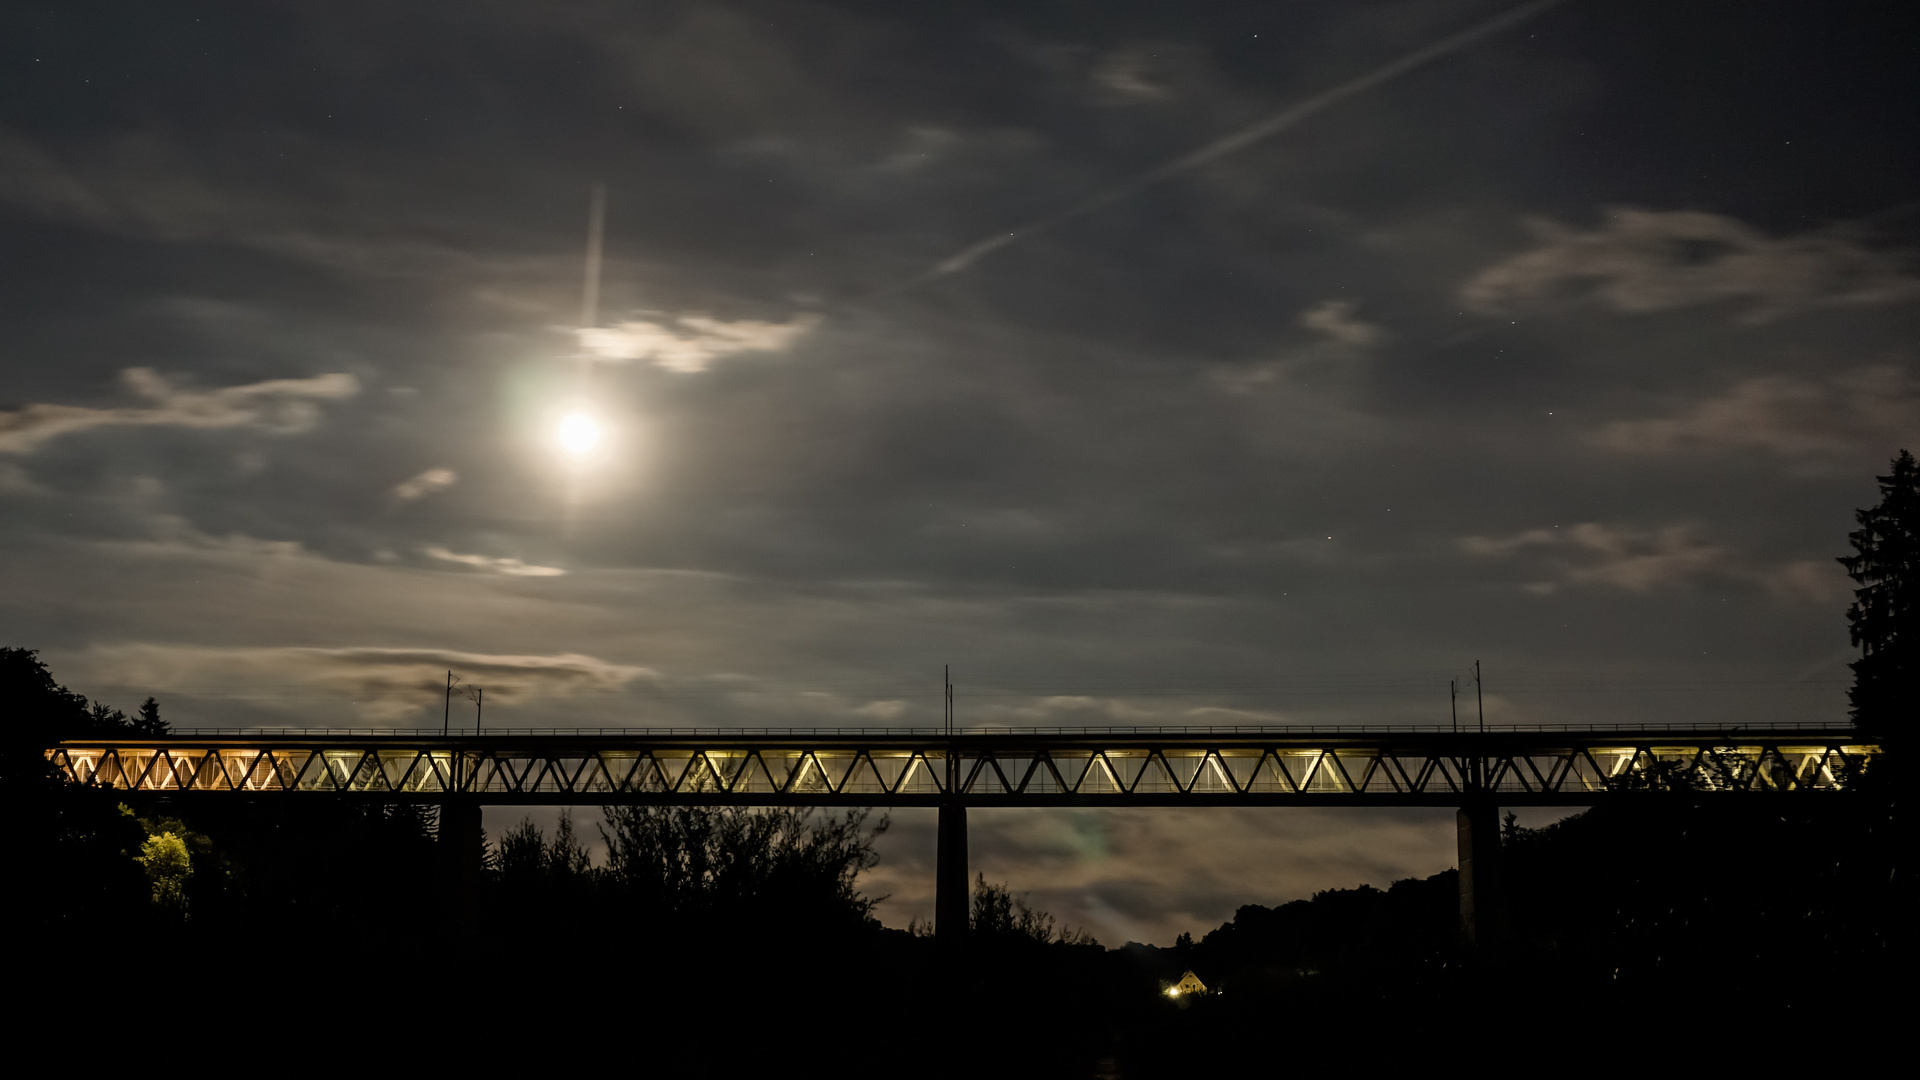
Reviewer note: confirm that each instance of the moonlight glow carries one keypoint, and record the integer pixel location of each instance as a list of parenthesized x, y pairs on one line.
[(577, 435)]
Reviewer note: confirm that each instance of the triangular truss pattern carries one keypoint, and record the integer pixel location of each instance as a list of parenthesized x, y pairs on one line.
[(641, 775), (1241, 766), (754, 777), (269, 771), (1156, 777), (396, 767), (565, 773), (1016, 768), (1101, 777), (1125, 766), (1184, 766), (592, 778), (864, 778), (1045, 778), (367, 774), (1403, 768), (925, 775), (890, 767), (1371, 773), (622, 766), (985, 778), (156, 772), (700, 778), (807, 776)]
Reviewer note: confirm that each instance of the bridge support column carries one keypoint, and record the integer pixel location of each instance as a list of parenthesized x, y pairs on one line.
[(1482, 905), (952, 891), (462, 852)]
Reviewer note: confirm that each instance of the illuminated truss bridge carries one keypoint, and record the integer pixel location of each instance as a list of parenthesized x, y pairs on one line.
[(1477, 772), (1111, 767)]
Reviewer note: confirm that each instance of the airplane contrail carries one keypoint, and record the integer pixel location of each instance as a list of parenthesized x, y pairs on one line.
[(1239, 140)]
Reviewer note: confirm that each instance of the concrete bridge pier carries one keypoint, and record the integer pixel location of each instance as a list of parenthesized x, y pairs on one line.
[(952, 898), (1482, 901), (462, 852)]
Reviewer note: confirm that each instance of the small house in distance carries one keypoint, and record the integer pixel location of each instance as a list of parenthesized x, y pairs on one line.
[(1188, 986)]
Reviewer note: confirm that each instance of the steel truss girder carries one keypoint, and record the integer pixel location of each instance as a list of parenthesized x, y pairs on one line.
[(1144, 768)]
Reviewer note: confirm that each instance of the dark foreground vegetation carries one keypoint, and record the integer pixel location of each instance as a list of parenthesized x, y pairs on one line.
[(737, 942)]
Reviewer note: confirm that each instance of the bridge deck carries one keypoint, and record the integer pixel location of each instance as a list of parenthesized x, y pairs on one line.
[(1057, 767)]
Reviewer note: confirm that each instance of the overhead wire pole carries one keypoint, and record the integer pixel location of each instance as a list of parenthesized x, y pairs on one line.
[(1479, 701), (1477, 833), (950, 886), (462, 840)]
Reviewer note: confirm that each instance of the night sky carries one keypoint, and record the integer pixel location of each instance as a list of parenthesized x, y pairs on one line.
[(1147, 363)]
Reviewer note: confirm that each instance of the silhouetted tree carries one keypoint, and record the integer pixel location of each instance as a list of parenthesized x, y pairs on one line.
[(71, 846), (37, 712), (997, 912), (703, 862), (522, 853), (566, 857), (103, 719), (1884, 620), (536, 881), (149, 722)]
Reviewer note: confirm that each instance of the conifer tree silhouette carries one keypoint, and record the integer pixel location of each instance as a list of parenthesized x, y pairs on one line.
[(1884, 620)]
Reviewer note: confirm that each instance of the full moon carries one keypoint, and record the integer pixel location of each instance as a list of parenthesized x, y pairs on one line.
[(577, 434)]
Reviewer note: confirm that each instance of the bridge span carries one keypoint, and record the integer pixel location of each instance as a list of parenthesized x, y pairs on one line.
[(1476, 772)]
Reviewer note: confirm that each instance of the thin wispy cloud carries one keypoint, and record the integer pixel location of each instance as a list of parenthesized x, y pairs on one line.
[(149, 187), (1648, 560), (509, 567), (387, 684), (691, 342), (919, 147), (1648, 261), (1866, 409), (277, 405), (1128, 77), (1637, 560), (426, 483), (1335, 319)]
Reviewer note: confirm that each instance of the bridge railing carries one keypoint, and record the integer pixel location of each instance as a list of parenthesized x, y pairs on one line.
[(989, 729)]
